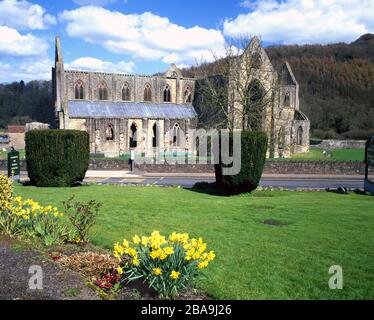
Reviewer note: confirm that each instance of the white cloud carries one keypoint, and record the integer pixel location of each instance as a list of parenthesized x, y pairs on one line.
[(12, 43), (305, 21), (94, 2), (24, 15), (143, 36), (25, 69), (93, 64)]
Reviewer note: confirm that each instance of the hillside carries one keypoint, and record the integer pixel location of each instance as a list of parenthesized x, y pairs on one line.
[(336, 85), (21, 103)]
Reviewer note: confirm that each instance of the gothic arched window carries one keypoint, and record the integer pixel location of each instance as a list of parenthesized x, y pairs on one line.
[(79, 90), (167, 94), (109, 133), (188, 95), (148, 93), (133, 136), (287, 99), (177, 135), (282, 138), (103, 91), (155, 136), (126, 92), (300, 133)]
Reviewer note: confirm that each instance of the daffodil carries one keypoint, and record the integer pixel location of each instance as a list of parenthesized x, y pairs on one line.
[(203, 264), (175, 275), (169, 251), (136, 239), (120, 270), (157, 271)]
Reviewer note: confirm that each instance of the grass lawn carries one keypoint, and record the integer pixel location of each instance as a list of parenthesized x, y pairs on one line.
[(254, 260), (336, 154), (4, 154)]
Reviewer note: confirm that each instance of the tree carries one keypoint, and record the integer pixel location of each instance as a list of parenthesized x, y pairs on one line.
[(236, 90)]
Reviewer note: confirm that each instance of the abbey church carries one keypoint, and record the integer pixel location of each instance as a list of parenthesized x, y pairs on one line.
[(125, 112), (146, 114)]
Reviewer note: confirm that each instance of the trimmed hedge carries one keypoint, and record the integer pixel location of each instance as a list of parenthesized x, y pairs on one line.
[(253, 146), (57, 158)]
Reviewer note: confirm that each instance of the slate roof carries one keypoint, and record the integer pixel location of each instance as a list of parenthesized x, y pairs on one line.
[(109, 109)]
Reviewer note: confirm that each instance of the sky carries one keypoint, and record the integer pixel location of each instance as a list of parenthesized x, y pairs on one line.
[(145, 36)]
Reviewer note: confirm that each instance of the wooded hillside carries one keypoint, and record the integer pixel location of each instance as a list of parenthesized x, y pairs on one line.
[(21, 103), (336, 85)]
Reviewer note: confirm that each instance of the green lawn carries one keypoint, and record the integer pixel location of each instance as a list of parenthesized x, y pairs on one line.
[(4, 154), (336, 154), (254, 260)]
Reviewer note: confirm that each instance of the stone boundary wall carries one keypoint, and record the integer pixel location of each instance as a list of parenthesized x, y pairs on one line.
[(315, 167), (271, 167), (109, 164), (342, 144)]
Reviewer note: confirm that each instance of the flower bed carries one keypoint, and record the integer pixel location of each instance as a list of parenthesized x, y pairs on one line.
[(167, 265)]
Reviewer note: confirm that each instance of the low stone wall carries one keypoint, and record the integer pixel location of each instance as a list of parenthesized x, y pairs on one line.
[(342, 144), (108, 164), (315, 167), (271, 167)]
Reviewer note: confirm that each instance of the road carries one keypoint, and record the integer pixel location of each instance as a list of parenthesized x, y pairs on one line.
[(287, 183)]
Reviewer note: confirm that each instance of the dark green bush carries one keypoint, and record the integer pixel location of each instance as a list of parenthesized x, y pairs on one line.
[(253, 146), (57, 158), (358, 134)]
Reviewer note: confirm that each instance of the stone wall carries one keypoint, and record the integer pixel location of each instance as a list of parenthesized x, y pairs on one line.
[(271, 167), (114, 83), (342, 144), (315, 167)]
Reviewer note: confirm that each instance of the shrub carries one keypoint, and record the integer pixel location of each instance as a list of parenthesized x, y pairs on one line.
[(57, 158), (359, 134), (323, 134), (82, 216), (166, 265), (253, 156)]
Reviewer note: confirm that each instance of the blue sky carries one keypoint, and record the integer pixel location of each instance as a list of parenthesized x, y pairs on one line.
[(144, 36)]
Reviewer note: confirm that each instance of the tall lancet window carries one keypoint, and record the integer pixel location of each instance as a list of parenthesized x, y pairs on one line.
[(109, 133), (155, 136), (300, 133), (167, 94), (79, 90), (177, 136), (103, 91), (188, 95), (126, 92), (133, 136), (287, 99), (148, 93)]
